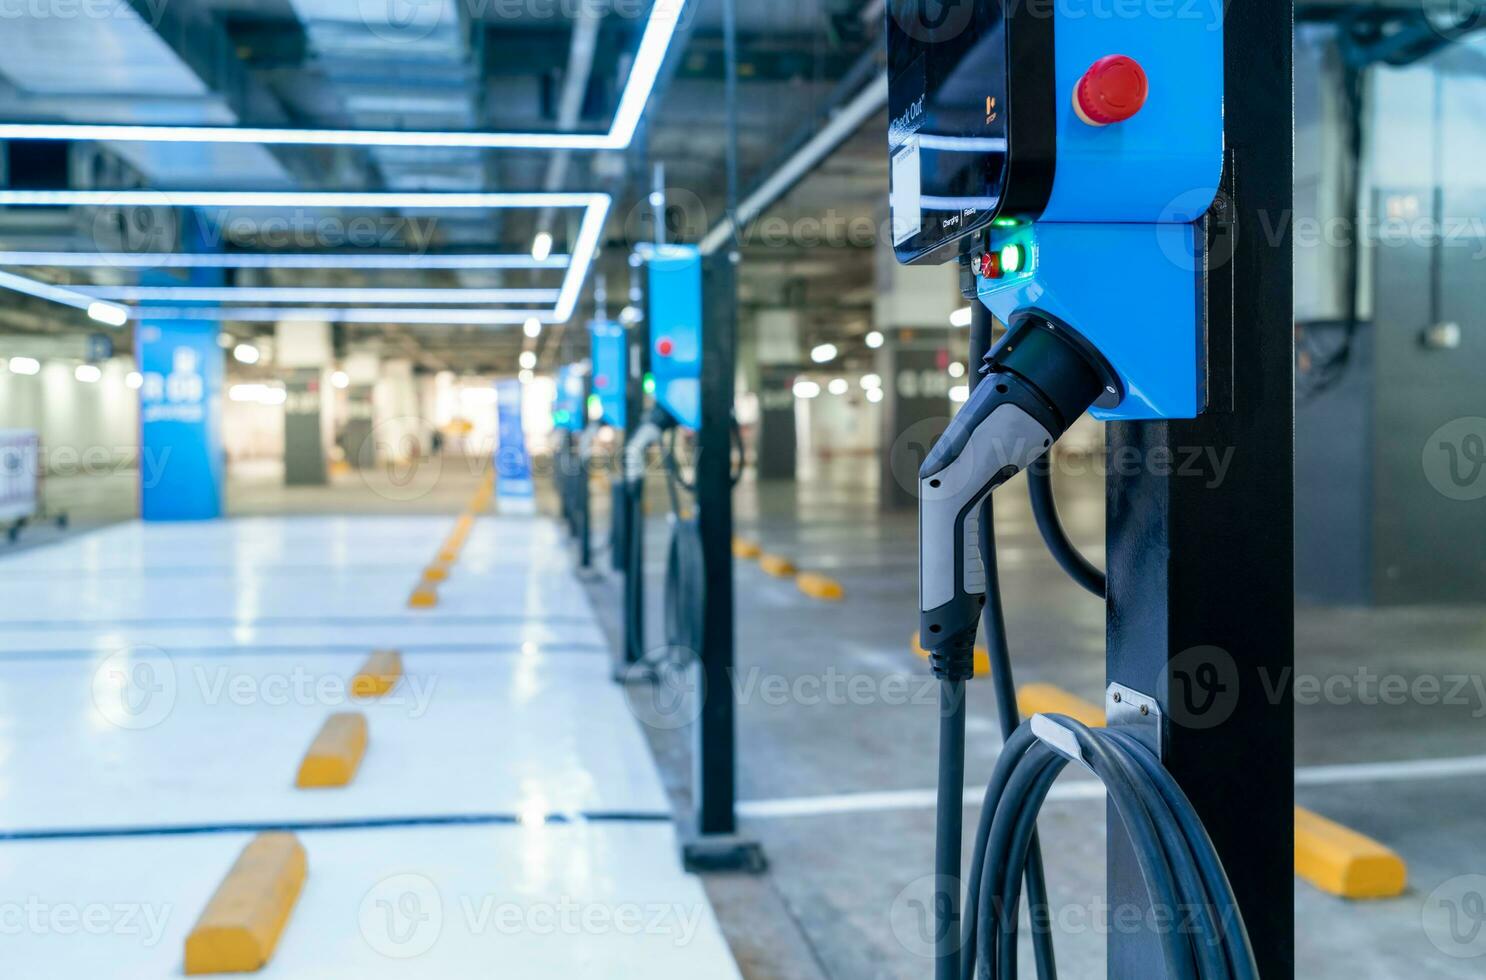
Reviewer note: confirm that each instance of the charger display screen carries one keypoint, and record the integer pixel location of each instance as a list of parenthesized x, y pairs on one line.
[(951, 132)]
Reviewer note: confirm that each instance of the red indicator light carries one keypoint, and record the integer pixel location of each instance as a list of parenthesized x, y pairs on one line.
[(663, 347), (990, 265), (601, 381), (1112, 90)]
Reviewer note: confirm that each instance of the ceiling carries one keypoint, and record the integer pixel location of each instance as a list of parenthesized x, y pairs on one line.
[(450, 65), (441, 65)]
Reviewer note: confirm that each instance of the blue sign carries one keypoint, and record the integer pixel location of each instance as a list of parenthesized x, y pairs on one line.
[(180, 420), (568, 410), (610, 369), (676, 331), (514, 491)]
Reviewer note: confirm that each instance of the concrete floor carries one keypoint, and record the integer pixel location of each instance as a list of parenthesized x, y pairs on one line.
[(836, 774), (836, 785), (160, 683)]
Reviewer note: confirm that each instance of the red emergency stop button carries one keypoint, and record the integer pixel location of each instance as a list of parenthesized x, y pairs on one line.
[(663, 347), (1112, 90)]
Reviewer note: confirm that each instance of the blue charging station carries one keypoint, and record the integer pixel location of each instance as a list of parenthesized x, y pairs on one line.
[(610, 355), (676, 331), (1083, 206), (569, 412), (1069, 156)]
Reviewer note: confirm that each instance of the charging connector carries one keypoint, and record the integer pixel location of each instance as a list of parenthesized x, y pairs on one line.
[(1037, 384)]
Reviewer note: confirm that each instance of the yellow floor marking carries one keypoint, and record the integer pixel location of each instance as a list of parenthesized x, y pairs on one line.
[(336, 753), (777, 565), (1342, 862), (820, 586), (241, 925), (380, 674), (743, 548)]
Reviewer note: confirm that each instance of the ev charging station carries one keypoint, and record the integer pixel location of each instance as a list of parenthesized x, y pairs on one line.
[(609, 355), (691, 352), (1089, 168), (570, 419)]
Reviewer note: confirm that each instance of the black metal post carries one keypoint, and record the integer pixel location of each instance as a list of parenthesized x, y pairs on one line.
[(1200, 532), (633, 495), (714, 845)]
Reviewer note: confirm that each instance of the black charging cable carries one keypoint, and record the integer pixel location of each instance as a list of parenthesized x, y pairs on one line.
[(1180, 866)]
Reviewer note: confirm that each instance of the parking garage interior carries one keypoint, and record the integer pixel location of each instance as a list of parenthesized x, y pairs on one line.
[(463, 467)]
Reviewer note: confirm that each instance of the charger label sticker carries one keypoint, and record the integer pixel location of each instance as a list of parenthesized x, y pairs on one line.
[(907, 193)]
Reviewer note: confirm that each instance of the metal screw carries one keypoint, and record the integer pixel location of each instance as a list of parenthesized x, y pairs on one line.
[(1117, 697), (1145, 709)]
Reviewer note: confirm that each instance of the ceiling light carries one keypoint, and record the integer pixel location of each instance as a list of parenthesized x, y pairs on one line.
[(526, 377), (822, 353), (103, 312), (806, 389), (108, 313), (665, 18), (541, 246), (440, 200), (315, 294), (874, 395), (874, 339), (24, 365), (527, 360), (87, 373), (585, 246), (532, 327), (630, 315), (956, 369), (961, 317), (246, 353), (870, 381), (446, 315), (277, 260), (838, 386), (959, 393), (226, 341), (340, 379), (134, 380)]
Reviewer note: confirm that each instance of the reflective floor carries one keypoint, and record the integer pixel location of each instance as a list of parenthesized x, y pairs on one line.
[(160, 684), (837, 741)]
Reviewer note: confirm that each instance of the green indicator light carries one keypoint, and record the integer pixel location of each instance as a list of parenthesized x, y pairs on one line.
[(1005, 222), (649, 384), (561, 418), (593, 402), (1011, 259)]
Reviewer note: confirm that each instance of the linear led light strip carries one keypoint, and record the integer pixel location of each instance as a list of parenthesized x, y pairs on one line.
[(268, 260), (109, 313), (315, 294), (343, 314), (665, 17), (585, 246)]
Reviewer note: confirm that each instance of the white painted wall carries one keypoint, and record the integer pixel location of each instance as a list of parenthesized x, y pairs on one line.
[(81, 424)]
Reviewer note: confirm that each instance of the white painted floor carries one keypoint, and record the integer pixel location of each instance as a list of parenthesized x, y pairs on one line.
[(158, 686)]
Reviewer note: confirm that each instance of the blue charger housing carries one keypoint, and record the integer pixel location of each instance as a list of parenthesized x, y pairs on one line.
[(568, 409), (610, 355), (676, 331), (1097, 228), (1118, 253)]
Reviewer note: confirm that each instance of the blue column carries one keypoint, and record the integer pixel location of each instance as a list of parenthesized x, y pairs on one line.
[(180, 416), (181, 456)]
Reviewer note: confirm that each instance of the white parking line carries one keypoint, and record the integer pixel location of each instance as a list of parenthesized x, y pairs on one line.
[(1089, 789)]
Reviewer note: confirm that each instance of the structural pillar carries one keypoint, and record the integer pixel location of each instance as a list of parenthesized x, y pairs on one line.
[(303, 349), (912, 310), (777, 351)]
